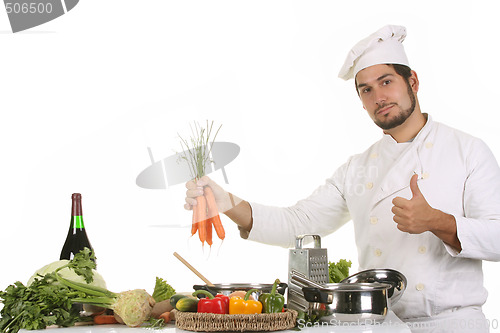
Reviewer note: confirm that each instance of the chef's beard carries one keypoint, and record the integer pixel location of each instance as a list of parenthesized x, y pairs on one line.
[(401, 117)]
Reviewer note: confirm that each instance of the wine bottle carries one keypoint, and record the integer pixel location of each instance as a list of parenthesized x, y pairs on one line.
[(77, 237)]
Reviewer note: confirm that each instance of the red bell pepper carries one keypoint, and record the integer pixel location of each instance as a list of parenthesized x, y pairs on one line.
[(225, 300), (210, 304)]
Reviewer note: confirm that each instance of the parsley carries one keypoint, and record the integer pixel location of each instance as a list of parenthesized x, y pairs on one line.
[(155, 324), (83, 263), (42, 304), (46, 301)]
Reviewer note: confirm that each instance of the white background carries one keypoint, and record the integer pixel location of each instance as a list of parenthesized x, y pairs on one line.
[(83, 96)]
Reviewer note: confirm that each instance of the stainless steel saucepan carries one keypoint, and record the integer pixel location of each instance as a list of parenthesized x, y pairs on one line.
[(396, 279), (364, 296), (348, 302)]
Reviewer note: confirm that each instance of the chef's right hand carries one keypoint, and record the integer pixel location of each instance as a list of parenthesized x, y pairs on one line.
[(223, 199)]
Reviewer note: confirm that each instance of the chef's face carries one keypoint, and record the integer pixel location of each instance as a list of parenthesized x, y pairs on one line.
[(387, 96)]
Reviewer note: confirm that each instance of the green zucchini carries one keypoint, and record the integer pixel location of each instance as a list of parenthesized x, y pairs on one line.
[(175, 298), (187, 304)]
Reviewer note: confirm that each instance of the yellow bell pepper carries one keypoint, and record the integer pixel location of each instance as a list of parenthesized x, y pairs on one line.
[(239, 305)]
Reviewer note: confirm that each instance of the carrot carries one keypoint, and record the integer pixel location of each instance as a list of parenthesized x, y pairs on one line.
[(194, 228), (201, 217), (105, 319), (219, 229), (209, 231), (165, 316), (202, 231), (194, 225), (213, 212)]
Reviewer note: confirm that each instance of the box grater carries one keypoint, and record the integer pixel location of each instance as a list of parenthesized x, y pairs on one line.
[(312, 263)]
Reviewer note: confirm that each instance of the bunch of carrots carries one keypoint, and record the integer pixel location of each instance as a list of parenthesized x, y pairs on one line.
[(205, 213)]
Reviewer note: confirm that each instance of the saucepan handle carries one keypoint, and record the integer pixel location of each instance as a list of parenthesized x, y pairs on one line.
[(316, 295), (205, 287)]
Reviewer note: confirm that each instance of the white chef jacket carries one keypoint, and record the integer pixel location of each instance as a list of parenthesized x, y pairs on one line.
[(458, 175)]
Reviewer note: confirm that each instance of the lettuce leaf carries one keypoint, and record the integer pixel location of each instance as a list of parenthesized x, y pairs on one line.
[(162, 291), (338, 271)]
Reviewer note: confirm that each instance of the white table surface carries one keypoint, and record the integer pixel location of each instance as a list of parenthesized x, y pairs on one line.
[(391, 324)]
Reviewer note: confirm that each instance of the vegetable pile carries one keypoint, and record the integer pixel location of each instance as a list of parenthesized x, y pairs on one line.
[(45, 302), (50, 297), (197, 156), (272, 302)]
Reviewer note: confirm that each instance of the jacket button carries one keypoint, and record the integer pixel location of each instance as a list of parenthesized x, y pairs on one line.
[(425, 175), (378, 252), (373, 155), (373, 220), (420, 286), (369, 185), (429, 145), (422, 250)]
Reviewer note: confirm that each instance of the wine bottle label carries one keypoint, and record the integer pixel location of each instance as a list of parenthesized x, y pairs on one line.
[(78, 220)]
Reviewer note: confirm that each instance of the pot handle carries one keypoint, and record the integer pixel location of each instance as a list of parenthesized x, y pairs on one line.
[(300, 238), (316, 295), (205, 287)]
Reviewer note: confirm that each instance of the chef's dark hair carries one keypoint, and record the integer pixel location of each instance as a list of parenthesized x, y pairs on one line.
[(402, 70)]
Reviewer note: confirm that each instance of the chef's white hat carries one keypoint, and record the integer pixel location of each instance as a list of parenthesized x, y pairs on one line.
[(382, 47)]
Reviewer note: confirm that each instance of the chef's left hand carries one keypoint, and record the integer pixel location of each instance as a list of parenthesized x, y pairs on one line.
[(415, 215)]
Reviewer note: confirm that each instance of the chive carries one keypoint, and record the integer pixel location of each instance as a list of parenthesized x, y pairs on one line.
[(197, 154)]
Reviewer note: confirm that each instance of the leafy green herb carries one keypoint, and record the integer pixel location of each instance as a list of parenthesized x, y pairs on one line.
[(198, 155), (83, 263), (338, 271), (42, 304), (153, 323), (162, 291), (305, 320), (46, 301)]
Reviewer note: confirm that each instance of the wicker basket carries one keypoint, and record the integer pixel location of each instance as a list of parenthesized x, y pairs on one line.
[(211, 322)]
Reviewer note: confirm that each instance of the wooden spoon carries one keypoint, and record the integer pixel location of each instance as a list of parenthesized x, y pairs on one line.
[(188, 265)]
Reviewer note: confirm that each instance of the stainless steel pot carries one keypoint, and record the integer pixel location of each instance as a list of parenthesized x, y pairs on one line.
[(228, 288), (348, 302), (396, 279)]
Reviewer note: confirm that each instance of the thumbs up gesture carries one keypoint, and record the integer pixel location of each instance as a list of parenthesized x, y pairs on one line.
[(415, 215)]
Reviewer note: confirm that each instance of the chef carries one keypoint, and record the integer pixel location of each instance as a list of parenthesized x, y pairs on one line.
[(424, 199)]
